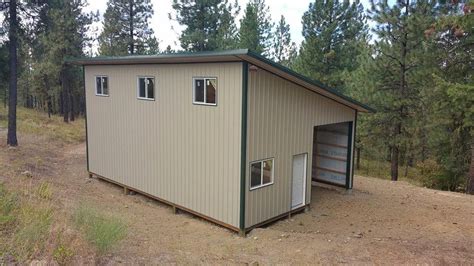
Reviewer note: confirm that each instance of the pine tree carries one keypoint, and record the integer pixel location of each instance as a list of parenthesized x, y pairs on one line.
[(126, 29), (209, 24), (13, 61), (450, 94), (227, 33), (284, 51), (256, 28), (332, 30), (64, 35), (360, 84), (399, 52), (4, 72), (169, 50)]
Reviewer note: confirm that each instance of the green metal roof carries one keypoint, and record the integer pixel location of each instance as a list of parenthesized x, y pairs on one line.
[(217, 56)]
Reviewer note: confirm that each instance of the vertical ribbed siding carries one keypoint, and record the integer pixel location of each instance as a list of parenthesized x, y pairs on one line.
[(281, 117), (171, 148)]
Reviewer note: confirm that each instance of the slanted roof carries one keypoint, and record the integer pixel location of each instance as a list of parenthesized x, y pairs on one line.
[(229, 56)]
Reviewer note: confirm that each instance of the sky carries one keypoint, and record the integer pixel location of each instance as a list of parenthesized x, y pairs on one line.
[(168, 31)]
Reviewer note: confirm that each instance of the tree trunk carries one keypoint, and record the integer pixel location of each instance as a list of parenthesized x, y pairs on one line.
[(406, 170), (11, 138), (394, 163), (72, 108), (132, 48), (66, 97), (5, 98), (358, 158), (470, 176), (50, 106), (395, 156), (48, 97)]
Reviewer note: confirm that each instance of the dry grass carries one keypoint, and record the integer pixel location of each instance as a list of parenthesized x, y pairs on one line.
[(381, 169), (26, 223), (37, 123), (33, 221)]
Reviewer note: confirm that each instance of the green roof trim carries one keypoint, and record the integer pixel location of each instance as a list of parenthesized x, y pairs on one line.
[(237, 53), (92, 60)]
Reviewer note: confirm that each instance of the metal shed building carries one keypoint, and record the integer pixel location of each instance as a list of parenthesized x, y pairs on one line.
[(229, 136)]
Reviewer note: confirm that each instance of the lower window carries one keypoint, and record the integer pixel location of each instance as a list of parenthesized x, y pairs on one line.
[(261, 173)]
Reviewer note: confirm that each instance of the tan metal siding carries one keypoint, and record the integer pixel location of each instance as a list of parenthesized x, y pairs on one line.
[(170, 148), (281, 117)]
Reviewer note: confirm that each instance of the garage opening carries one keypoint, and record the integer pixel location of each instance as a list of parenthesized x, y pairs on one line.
[(332, 154)]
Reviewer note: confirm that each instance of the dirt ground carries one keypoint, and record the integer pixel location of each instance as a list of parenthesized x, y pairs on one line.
[(378, 222)]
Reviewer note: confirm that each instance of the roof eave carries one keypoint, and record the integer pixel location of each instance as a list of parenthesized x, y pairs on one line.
[(181, 57)]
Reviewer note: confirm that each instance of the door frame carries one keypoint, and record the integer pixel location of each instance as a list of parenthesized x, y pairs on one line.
[(305, 180)]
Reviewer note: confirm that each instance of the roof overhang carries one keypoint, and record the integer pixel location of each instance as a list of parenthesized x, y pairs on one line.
[(171, 58), (229, 56)]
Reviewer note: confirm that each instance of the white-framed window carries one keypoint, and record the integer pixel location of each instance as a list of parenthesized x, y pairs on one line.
[(146, 88), (102, 86), (261, 173), (205, 91)]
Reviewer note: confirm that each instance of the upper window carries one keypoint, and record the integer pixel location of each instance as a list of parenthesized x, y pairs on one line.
[(205, 91), (261, 173), (146, 88), (102, 86)]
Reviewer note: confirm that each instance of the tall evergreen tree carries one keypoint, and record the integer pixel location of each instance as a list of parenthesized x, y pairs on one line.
[(256, 28), (13, 61), (227, 34), (4, 72), (283, 50), (449, 94), (209, 24), (126, 29), (331, 31), (64, 36), (361, 84), (399, 52)]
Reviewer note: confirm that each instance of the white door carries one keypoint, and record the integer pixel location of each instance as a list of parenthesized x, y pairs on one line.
[(299, 181)]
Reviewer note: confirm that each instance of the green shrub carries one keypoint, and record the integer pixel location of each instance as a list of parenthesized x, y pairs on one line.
[(104, 232), (44, 191), (432, 175), (62, 254), (8, 203)]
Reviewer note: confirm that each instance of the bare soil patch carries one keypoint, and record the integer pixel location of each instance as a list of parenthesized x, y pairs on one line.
[(378, 222)]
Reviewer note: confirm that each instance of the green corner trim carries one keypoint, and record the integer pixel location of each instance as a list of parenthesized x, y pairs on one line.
[(349, 155), (353, 150), (85, 115), (243, 144)]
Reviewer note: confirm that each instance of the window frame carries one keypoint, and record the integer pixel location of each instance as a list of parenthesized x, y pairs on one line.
[(205, 91), (261, 176), (102, 86), (146, 91)]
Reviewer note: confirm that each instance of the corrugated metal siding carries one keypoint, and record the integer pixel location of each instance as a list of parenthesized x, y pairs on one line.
[(184, 153), (281, 117)]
